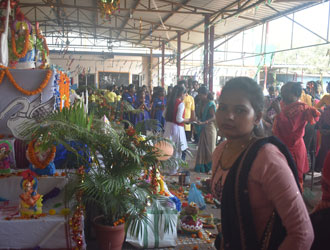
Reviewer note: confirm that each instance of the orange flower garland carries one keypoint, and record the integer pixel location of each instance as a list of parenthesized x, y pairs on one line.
[(26, 44), (75, 222), (34, 159), (67, 92), (2, 74), (19, 88), (119, 222), (64, 84)]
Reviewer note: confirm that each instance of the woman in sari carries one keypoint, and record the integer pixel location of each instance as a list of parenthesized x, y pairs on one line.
[(289, 125), (206, 131), (255, 179), (324, 130)]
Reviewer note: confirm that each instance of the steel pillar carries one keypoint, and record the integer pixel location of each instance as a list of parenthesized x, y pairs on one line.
[(178, 56), (211, 58), (206, 48), (163, 64), (150, 73)]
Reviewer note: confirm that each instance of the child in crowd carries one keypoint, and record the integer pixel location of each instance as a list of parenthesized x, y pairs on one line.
[(129, 97), (159, 104), (141, 104)]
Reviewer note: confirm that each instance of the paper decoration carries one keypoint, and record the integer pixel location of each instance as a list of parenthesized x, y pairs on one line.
[(17, 108)]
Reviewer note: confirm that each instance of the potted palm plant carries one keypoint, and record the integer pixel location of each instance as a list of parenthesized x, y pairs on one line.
[(113, 185)]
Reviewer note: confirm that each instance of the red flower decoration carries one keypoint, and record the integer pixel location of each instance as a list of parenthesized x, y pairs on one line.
[(28, 175), (19, 15), (130, 131)]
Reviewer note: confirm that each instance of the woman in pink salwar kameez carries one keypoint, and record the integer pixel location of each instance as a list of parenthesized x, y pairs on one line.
[(255, 179)]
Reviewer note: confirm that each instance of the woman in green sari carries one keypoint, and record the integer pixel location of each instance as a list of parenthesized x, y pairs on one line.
[(206, 130)]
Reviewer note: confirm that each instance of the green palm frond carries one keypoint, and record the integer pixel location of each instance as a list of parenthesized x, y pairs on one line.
[(113, 184)]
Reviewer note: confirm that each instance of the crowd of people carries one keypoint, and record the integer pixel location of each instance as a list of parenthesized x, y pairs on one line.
[(258, 169)]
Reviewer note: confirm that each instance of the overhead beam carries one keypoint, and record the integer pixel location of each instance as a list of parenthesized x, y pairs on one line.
[(92, 8), (294, 21), (236, 31), (88, 25), (182, 5), (109, 37), (170, 27), (130, 14), (164, 20), (222, 11)]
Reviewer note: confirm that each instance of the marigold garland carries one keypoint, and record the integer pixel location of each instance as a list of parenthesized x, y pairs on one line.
[(119, 222), (19, 88), (26, 44), (2, 74), (75, 222), (34, 159), (64, 89)]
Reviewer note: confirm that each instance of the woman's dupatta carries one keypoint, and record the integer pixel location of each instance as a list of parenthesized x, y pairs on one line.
[(238, 227)]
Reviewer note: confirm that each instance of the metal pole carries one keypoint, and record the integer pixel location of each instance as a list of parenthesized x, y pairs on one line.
[(265, 50), (328, 22), (206, 47), (163, 64), (243, 48), (211, 58), (278, 51), (292, 29), (178, 57), (150, 73)]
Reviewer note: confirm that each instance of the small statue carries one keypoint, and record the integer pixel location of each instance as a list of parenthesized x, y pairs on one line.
[(5, 159), (41, 161), (190, 221), (31, 201)]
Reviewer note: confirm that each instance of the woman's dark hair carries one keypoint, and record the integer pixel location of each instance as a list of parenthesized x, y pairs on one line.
[(295, 89), (169, 91), (250, 88), (139, 93), (130, 87), (157, 91), (182, 83), (271, 89), (253, 92), (203, 90), (177, 91), (210, 96)]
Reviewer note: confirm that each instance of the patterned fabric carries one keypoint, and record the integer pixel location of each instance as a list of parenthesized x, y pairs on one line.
[(207, 140)]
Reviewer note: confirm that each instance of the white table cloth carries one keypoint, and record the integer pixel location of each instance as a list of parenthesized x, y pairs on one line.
[(50, 232)]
